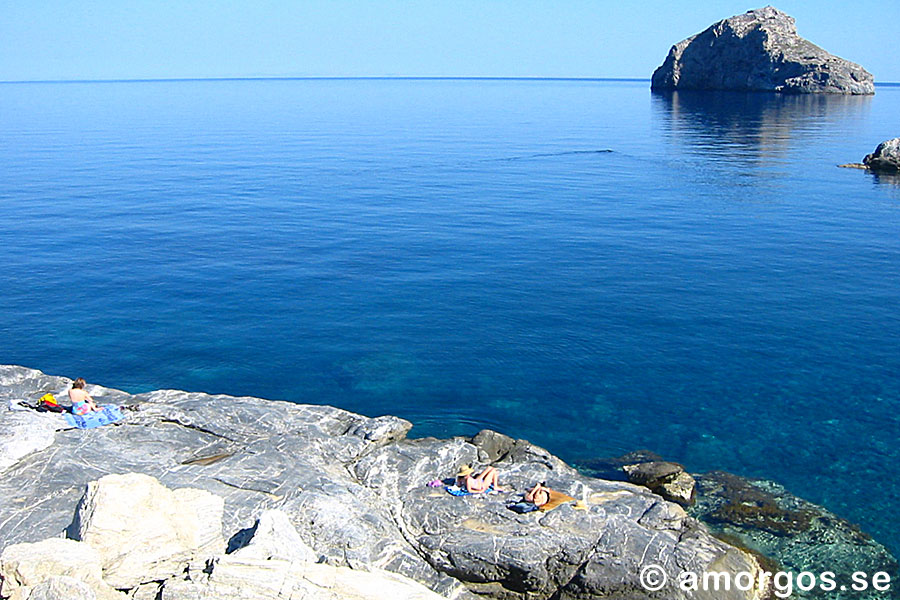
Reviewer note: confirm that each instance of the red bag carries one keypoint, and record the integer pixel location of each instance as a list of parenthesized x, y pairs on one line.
[(49, 404)]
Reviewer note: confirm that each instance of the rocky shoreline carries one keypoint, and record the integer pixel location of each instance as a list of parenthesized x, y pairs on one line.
[(349, 492)]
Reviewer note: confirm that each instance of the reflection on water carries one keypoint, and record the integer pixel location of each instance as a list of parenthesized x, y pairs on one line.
[(892, 179), (750, 127)]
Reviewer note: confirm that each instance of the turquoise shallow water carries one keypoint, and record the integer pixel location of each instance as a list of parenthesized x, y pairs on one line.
[(581, 263)]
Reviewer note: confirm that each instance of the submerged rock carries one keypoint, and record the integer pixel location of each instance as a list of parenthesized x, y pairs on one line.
[(797, 535), (783, 531), (758, 51), (354, 491)]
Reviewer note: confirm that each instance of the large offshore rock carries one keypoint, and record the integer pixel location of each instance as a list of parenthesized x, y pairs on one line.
[(354, 490), (886, 158), (758, 51)]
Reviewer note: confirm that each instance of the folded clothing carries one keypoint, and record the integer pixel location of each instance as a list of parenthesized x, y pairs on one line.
[(522, 507)]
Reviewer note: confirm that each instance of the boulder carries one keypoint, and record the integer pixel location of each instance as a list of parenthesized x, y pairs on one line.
[(886, 158), (25, 567), (758, 51), (681, 489), (667, 479), (650, 473), (143, 531), (62, 588), (275, 563), (274, 537)]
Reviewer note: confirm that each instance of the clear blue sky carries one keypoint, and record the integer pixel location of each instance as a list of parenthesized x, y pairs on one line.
[(85, 39)]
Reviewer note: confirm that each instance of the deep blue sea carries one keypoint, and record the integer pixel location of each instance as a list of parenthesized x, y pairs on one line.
[(584, 264)]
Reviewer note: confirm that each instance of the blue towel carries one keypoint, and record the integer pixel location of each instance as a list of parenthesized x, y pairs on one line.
[(458, 491), (109, 414)]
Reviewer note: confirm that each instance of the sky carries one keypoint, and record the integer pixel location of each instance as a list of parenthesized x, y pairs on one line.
[(136, 39)]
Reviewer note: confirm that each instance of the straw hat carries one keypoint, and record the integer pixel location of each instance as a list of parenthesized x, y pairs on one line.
[(464, 471)]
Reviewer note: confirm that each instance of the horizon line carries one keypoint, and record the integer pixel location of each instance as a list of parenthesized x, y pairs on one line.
[(351, 78), (323, 77)]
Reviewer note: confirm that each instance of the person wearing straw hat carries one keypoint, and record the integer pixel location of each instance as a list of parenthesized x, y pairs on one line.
[(475, 484)]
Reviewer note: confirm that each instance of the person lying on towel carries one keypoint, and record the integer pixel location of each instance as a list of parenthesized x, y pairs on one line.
[(546, 499), (475, 484)]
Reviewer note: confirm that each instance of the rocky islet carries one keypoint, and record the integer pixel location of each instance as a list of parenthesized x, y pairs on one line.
[(885, 158), (758, 51)]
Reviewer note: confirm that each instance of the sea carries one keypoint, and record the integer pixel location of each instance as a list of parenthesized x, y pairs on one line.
[(581, 263)]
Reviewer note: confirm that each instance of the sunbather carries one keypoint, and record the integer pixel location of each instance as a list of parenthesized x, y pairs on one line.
[(546, 499), (82, 403), (475, 484)]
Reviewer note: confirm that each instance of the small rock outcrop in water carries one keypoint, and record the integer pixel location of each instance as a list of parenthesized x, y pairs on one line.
[(886, 158), (789, 533), (884, 161), (352, 489), (758, 51), (667, 479)]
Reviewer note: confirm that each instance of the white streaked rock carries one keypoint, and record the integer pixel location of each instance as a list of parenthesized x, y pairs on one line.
[(143, 531)]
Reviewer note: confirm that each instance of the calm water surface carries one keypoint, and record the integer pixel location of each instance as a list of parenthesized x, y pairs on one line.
[(580, 263)]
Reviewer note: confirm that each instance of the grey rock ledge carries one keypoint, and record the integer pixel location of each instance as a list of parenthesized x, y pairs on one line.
[(354, 488)]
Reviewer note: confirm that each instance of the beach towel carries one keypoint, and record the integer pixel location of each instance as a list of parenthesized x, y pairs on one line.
[(105, 416), (455, 490), (558, 499)]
